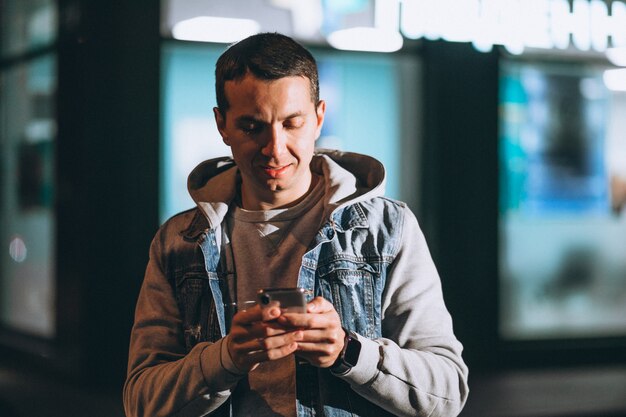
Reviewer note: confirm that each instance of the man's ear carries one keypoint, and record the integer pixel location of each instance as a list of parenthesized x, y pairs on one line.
[(221, 124), (320, 111)]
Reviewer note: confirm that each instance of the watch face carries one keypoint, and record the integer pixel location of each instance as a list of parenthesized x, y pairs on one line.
[(352, 351)]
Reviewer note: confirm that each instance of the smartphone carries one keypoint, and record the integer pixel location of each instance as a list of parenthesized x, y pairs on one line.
[(290, 300)]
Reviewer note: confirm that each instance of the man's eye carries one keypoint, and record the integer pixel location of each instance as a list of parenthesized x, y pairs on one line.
[(293, 125), (251, 128)]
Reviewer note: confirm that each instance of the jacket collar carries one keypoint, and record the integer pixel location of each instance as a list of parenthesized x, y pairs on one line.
[(196, 227), (349, 217), (345, 218), (351, 178)]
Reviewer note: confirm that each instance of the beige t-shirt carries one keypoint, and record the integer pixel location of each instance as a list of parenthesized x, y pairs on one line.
[(267, 249)]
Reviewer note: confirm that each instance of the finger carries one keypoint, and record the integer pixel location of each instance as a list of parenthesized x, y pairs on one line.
[(276, 342), (319, 305), (294, 320), (257, 330), (248, 355), (328, 336), (310, 321), (320, 348), (273, 328), (248, 316), (255, 314), (270, 313), (265, 343)]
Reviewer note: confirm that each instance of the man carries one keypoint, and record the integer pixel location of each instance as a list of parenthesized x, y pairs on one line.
[(375, 340)]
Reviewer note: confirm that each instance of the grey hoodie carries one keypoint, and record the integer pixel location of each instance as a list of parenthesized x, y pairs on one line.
[(410, 362)]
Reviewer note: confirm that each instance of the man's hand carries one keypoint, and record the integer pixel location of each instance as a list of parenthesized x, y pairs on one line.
[(256, 337), (322, 335)]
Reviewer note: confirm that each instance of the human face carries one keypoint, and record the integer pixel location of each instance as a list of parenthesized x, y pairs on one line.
[(271, 127)]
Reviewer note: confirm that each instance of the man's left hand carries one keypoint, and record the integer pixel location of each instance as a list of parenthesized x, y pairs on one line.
[(322, 335)]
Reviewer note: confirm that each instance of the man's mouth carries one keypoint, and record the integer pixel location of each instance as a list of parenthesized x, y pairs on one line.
[(276, 171)]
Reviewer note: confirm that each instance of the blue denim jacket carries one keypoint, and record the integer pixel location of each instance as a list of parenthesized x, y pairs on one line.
[(349, 263)]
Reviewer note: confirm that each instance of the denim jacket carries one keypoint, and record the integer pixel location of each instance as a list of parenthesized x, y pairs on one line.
[(369, 259)]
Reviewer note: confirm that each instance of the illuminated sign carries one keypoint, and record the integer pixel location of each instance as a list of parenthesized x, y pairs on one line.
[(517, 24), (381, 25)]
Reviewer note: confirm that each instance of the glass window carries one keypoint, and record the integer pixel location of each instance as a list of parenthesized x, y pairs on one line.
[(27, 137), (562, 203), (366, 95), (190, 135), (26, 24)]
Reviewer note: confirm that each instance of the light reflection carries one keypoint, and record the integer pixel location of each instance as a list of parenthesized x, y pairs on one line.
[(581, 31), (617, 56), (366, 39), (215, 29), (615, 79), (560, 23), (17, 249), (601, 24)]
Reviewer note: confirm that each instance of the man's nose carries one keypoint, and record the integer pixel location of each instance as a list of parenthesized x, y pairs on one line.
[(276, 143)]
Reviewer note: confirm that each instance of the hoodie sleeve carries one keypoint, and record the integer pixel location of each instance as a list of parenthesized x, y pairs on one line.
[(163, 378), (416, 368)]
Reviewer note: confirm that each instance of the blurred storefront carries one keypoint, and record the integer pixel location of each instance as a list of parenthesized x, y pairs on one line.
[(559, 270), (501, 123), (28, 85)]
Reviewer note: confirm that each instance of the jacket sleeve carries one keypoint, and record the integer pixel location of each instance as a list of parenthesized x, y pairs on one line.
[(416, 368), (164, 379)]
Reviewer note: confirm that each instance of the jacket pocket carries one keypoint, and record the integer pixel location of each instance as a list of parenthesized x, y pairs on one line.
[(193, 298), (351, 287)]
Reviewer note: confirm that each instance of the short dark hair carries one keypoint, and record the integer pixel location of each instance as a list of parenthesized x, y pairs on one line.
[(268, 56)]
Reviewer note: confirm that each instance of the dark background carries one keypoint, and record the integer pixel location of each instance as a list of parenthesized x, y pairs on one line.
[(107, 212)]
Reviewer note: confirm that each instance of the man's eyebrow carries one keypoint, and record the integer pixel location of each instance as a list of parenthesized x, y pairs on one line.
[(294, 115)]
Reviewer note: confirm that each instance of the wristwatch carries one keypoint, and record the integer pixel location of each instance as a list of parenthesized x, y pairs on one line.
[(349, 355)]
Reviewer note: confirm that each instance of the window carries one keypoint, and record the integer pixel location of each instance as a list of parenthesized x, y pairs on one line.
[(562, 217), (27, 147)]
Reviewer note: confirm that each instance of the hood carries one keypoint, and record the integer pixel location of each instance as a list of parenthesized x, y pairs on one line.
[(350, 178)]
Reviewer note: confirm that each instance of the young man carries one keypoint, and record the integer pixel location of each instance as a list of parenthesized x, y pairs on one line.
[(375, 340)]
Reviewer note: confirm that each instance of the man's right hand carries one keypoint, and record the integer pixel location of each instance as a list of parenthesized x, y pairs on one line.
[(256, 337)]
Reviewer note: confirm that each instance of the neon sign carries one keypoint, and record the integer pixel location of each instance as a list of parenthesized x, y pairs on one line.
[(517, 24)]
